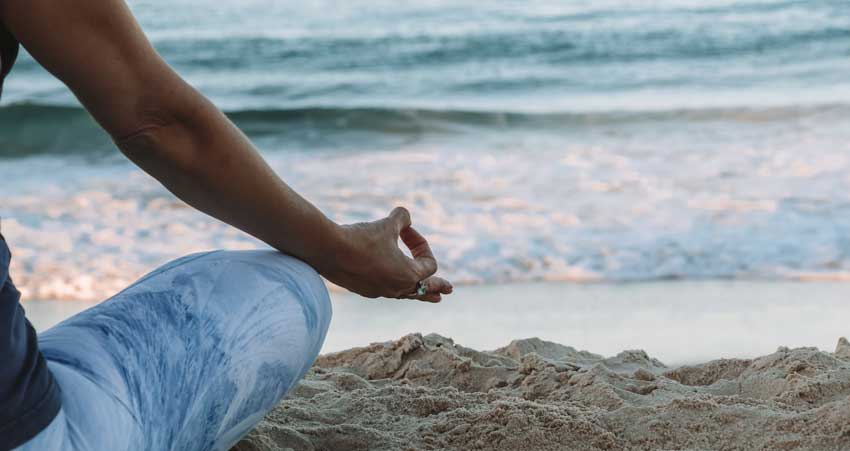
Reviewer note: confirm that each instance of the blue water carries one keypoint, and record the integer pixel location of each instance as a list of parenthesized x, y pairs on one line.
[(603, 140)]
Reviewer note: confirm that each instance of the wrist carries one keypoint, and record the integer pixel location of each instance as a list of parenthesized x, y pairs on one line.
[(330, 248)]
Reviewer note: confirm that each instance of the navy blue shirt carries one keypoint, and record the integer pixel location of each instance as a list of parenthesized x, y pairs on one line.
[(29, 397)]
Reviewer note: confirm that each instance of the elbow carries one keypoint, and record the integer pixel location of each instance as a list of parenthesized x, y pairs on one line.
[(161, 124), (150, 139), (183, 134), (143, 131), (159, 136), (162, 148)]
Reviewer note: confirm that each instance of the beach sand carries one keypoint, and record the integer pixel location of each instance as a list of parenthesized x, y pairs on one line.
[(425, 392), (429, 393)]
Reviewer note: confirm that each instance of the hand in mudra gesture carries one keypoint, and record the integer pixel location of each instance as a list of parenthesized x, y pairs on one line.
[(370, 263)]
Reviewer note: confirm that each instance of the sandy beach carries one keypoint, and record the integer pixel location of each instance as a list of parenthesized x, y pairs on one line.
[(643, 209), (712, 373), (430, 393)]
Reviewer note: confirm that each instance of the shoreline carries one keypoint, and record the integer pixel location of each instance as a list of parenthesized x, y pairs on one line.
[(680, 322)]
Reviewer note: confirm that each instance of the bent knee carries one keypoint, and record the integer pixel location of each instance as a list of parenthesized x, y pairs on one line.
[(257, 273), (229, 284), (279, 294)]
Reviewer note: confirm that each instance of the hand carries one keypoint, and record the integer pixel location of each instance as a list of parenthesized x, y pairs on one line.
[(370, 263)]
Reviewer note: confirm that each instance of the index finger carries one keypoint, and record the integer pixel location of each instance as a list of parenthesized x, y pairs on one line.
[(423, 258)]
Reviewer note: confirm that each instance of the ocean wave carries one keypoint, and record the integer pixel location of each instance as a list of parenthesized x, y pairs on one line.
[(28, 129), (521, 45), (607, 141), (499, 57), (727, 195)]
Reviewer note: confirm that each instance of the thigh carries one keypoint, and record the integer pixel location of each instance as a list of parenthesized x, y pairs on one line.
[(198, 351), (91, 418)]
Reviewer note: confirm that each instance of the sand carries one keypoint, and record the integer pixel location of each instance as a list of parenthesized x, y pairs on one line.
[(428, 393)]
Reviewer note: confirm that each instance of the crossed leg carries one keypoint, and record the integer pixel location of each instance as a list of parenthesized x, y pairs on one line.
[(189, 358)]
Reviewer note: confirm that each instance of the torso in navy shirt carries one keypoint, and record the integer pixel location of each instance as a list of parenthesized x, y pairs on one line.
[(29, 397)]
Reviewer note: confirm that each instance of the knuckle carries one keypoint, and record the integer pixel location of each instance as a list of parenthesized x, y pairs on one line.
[(429, 269), (402, 212)]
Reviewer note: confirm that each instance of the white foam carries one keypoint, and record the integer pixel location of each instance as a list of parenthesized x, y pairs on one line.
[(612, 202)]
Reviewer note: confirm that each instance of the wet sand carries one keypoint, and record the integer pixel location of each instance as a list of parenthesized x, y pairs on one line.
[(677, 322)]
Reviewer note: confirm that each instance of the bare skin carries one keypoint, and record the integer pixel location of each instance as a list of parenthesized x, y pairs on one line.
[(180, 138)]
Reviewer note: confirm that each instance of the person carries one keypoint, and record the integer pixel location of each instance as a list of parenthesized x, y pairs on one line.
[(194, 354)]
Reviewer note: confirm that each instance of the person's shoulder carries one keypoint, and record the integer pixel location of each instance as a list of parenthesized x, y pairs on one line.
[(8, 52)]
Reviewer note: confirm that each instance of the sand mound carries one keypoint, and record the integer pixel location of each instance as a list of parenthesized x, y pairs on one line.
[(428, 393)]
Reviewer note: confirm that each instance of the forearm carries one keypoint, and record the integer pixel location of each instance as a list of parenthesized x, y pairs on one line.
[(176, 135), (205, 160)]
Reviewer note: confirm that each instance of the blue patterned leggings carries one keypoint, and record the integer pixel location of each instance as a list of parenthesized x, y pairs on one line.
[(190, 357)]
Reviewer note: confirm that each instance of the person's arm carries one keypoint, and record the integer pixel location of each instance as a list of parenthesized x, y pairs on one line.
[(179, 137)]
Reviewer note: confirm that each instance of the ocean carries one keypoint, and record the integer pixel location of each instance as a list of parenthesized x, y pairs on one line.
[(604, 141)]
